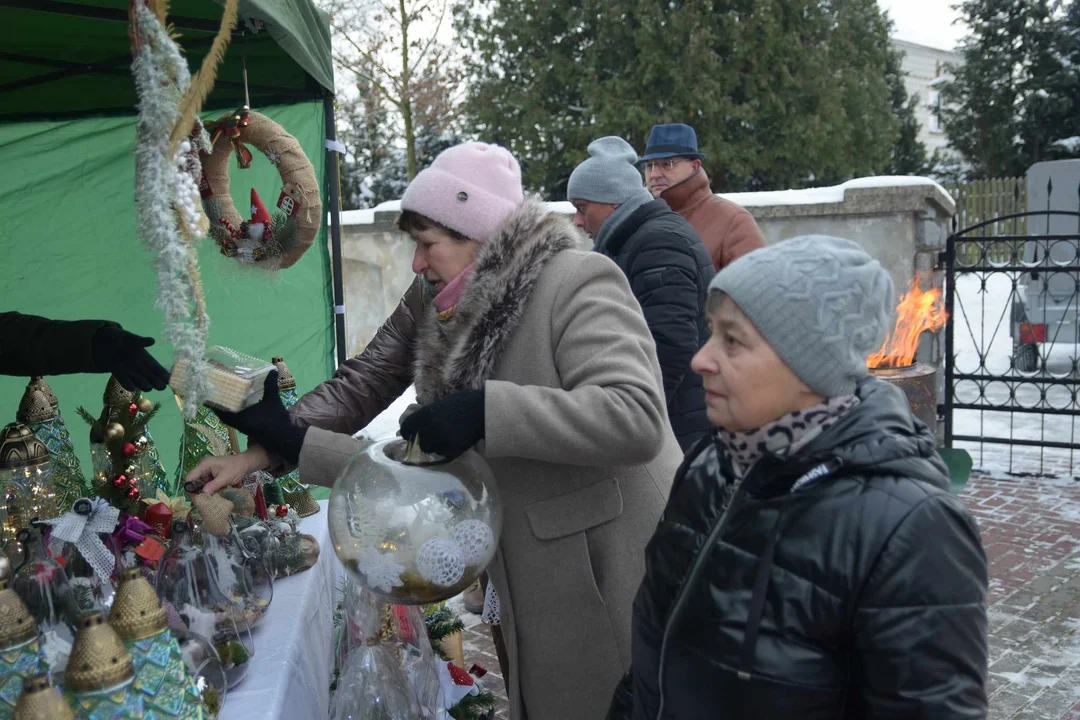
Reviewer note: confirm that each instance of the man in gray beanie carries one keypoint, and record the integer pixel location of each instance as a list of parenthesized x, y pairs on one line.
[(664, 260), (812, 560)]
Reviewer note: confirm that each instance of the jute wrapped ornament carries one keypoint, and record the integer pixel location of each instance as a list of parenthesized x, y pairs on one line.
[(213, 509), (299, 200)]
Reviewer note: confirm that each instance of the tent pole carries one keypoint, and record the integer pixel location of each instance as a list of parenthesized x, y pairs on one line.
[(335, 231)]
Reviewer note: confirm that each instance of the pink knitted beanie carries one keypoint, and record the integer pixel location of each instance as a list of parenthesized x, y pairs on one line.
[(470, 188)]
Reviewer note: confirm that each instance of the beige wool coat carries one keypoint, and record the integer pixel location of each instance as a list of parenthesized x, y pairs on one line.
[(576, 434)]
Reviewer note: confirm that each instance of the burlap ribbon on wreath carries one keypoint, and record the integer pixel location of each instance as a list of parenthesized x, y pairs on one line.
[(297, 178)]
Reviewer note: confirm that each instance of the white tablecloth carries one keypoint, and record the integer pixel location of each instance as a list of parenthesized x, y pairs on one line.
[(289, 676)]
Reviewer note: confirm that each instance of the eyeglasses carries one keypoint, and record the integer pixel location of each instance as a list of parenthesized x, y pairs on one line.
[(667, 164)]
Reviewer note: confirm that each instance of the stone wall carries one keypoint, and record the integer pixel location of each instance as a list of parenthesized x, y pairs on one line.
[(900, 221)]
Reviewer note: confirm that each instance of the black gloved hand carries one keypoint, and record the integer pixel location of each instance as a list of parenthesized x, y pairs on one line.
[(115, 350), (268, 423), (450, 425)]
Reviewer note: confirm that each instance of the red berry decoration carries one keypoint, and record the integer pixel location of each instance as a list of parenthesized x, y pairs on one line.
[(282, 510), (129, 449), (133, 409), (458, 675), (133, 493), (119, 481)]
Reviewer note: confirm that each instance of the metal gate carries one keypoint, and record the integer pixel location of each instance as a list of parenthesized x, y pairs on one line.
[(1012, 342)]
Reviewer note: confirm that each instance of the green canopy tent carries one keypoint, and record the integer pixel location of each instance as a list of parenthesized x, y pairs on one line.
[(68, 246)]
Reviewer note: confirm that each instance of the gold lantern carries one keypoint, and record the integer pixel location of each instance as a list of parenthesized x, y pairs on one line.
[(41, 701), (168, 689), (20, 650), (25, 480), (98, 681)]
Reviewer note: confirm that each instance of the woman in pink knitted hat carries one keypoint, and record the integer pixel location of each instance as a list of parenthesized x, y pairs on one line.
[(536, 353)]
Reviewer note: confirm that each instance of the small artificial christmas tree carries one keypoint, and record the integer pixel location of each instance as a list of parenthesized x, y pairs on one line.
[(40, 412), (126, 464), (205, 436), (296, 494)]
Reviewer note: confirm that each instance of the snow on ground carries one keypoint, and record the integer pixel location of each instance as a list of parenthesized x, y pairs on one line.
[(981, 319)]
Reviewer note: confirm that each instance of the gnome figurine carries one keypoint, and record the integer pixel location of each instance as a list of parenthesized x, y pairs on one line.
[(260, 228)]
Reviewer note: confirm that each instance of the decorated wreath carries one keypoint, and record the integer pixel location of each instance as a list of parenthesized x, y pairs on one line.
[(275, 241)]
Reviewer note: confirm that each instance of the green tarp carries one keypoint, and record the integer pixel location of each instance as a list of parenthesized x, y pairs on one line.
[(56, 41), (68, 250)]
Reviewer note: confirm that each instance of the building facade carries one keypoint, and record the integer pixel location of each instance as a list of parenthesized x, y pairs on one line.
[(924, 72)]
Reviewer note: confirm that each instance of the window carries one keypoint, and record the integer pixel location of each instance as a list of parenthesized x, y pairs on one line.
[(935, 104)]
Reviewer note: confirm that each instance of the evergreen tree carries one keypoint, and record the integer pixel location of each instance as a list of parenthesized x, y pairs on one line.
[(782, 93), (908, 153), (1011, 101), (1067, 86)]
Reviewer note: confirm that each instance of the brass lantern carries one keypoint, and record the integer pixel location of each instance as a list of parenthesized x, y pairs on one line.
[(25, 480)]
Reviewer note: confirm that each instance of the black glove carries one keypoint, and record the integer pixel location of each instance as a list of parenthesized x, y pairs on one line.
[(115, 350), (450, 425), (268, 423)]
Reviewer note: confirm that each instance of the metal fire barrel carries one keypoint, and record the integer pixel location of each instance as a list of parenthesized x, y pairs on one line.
[(919, 383)]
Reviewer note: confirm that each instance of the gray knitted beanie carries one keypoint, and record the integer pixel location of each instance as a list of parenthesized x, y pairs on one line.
[(610, 175), (822, 303)]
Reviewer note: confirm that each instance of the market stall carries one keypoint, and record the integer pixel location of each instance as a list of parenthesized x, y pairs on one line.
[(146, 595), (69, 246)]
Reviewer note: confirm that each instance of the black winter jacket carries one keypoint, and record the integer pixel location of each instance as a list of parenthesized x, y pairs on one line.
[(862, 595), (669, 272)]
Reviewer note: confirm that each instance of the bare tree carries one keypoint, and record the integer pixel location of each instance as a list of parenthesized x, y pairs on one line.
[(392, 47)]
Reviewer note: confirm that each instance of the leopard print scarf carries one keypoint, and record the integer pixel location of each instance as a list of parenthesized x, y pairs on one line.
[(785, 436)]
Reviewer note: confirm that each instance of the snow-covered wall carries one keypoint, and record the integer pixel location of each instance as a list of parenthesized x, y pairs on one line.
[(901, 221)]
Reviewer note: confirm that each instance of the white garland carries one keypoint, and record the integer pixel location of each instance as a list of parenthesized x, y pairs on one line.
[(165, 189)]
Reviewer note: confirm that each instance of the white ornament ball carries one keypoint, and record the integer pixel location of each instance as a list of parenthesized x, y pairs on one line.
[(475, 539), (185, 146), (441, 562)]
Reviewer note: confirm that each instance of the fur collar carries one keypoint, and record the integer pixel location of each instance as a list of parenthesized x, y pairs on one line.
[(460, 353)]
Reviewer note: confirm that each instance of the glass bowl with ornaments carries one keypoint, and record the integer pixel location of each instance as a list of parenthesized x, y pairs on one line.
[(411, 527)]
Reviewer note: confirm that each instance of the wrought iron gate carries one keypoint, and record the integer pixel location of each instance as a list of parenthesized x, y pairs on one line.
[(1012, 343)]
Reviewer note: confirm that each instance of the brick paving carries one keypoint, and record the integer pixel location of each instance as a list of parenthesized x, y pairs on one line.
[(1031, 531)]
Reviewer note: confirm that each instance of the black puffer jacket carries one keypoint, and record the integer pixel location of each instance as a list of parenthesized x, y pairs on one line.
[(862, 595), (669, 271)]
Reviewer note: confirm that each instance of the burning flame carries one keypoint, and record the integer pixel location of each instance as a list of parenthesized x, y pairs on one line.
[(919, 311)]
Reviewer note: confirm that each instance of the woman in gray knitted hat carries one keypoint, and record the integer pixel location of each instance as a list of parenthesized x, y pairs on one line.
[(811, 561)]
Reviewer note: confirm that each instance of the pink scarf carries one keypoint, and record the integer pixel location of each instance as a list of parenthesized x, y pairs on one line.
[(450, 295)]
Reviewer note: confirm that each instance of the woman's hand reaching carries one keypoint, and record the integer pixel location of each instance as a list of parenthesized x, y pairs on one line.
[(217, 473)]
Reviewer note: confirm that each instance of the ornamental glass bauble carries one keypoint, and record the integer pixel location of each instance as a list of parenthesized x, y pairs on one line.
[(43, 587), (195, 599), (89, 592), (204, 665), (244, 575), (414, 528)]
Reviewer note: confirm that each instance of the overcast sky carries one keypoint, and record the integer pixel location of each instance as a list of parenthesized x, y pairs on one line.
[(926, 22)]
